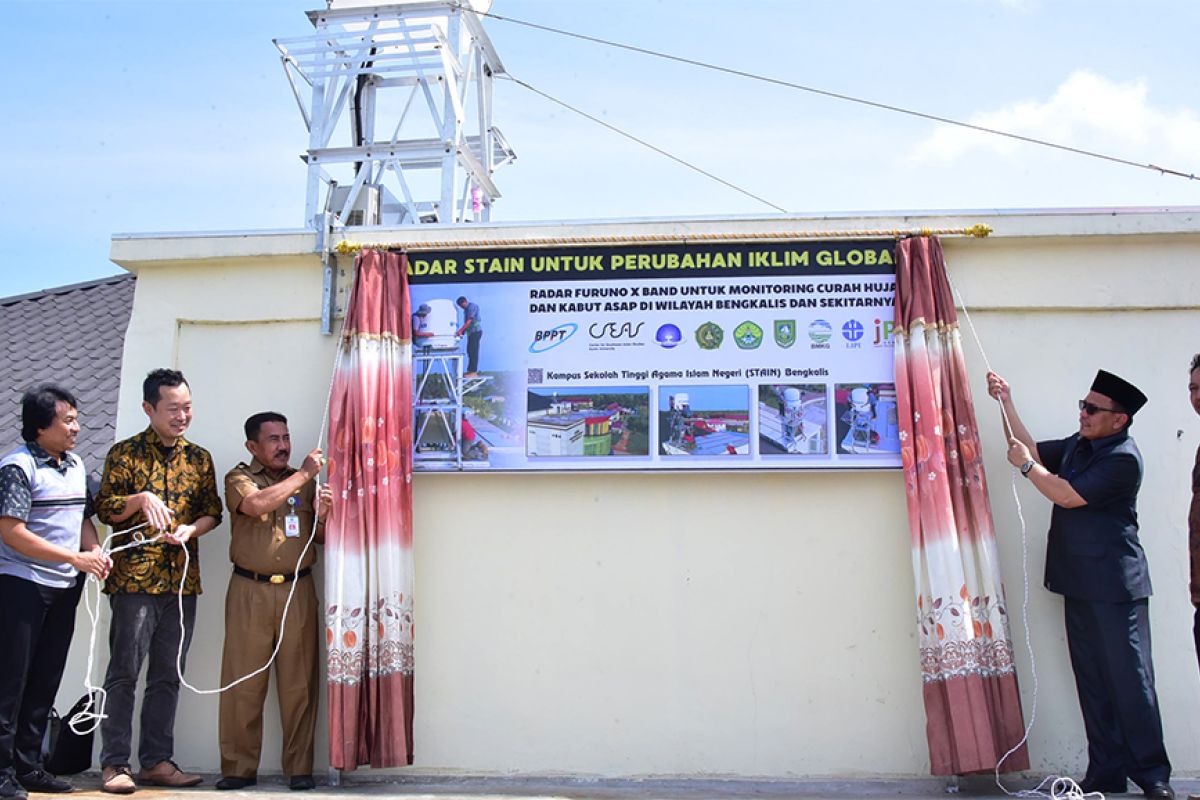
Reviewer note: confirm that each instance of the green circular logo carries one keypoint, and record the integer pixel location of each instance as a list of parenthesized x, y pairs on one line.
[(748, 335), (709, 336)]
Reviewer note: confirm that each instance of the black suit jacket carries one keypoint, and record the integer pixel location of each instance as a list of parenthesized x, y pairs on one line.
[(1093, 552)]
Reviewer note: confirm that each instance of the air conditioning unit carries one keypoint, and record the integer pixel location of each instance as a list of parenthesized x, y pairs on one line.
[(365, 210)]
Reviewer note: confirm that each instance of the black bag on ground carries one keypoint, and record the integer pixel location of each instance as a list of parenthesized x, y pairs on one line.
[(65, 752)]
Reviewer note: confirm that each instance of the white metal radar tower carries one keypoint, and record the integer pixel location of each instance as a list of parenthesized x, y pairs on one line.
[(399, 113)]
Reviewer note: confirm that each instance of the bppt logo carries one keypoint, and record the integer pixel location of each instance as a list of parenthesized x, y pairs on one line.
[(549, 339)]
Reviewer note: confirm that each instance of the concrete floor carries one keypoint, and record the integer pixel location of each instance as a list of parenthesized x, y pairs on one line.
[(426, 786)]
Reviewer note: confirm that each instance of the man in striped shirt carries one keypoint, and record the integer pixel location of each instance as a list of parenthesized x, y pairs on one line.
[(46, 539)]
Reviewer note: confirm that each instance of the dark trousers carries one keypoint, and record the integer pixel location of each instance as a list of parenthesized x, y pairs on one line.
[(1196, 632), (145, 627), (1114, 676), (473, 351), (37, 622)]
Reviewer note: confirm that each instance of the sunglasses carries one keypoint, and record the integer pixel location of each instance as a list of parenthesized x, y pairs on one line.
[(1092, 408)]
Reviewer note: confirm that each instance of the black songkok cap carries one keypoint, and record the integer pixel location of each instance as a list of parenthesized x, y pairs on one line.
[(1119, 390)]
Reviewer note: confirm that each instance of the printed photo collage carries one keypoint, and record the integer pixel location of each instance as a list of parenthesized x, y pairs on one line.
[(803, 421)]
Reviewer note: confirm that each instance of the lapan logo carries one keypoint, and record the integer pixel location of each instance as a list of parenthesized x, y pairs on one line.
[(549, 339)]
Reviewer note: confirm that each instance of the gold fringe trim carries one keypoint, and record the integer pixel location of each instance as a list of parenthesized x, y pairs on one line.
[(346, 247)]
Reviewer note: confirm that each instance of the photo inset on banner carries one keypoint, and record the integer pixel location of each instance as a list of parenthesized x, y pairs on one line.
[(604, 421), (704, 420), (793, 419), (463, 412), (866, 418)]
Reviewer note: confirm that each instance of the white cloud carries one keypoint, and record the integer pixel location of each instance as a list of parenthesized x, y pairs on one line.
[(1087, 111)]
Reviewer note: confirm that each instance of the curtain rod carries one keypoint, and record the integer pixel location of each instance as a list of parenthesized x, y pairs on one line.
[(345, 247)]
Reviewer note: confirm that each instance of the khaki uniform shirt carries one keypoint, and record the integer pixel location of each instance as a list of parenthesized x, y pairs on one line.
[(261, 544)]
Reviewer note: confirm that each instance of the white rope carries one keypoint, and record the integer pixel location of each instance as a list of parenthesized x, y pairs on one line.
[(296, 572), (1061, 788), (88, 719)]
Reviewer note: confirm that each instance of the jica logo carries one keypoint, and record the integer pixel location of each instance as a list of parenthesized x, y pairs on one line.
[(883, 333), (852, 332), (549, 339), (668, 335)]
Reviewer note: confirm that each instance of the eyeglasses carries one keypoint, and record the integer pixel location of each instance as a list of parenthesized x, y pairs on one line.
[(1092, 408)]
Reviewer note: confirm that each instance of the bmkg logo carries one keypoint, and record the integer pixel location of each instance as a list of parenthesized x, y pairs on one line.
[(548, 340), (820, 332)]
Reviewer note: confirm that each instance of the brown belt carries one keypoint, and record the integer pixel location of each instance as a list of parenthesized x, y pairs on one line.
[(276, 578)]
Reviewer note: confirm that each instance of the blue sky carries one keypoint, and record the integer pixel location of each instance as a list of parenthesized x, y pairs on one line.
[(141, 116)]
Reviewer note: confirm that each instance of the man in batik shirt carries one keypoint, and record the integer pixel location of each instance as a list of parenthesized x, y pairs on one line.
[(159, 479)]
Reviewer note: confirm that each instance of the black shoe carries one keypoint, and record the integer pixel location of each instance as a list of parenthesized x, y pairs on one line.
[(298, 783), (1159, 790), (41, 781), (10, 789), (234, 782)]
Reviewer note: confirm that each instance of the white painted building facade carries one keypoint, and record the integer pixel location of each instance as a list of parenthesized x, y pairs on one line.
[(613, 624)]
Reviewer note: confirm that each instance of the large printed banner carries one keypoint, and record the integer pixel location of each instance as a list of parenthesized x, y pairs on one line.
[(679, 356)]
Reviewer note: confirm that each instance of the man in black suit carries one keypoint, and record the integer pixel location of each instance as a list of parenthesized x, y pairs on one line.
[(1094, 559)]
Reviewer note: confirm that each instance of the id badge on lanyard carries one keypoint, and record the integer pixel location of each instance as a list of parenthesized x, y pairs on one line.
[(291, 523)]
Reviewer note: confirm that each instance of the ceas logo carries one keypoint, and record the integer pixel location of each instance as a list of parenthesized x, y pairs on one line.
[(820, 331), (547, 340), (852, 331), (748, 336), (614, 330), (709, 336), (668, 336)]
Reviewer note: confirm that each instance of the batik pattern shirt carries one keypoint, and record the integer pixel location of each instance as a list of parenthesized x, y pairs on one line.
[(184, 479)]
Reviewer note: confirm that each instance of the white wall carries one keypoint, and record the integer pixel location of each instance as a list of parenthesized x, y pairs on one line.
[(750, 624)]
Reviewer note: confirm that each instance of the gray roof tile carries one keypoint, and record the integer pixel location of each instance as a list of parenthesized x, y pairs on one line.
[(73, 336)]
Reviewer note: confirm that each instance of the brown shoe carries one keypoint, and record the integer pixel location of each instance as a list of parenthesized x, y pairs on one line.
[(167, 773), (117, 780)]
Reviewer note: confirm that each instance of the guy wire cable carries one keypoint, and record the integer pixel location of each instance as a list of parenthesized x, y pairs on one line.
[(834, 95), (643, 143)]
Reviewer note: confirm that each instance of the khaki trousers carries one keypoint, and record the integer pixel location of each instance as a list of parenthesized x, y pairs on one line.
[(253, 615)]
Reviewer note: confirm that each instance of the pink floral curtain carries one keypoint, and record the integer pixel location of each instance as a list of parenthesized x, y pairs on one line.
[(368, 538), (972, 703)]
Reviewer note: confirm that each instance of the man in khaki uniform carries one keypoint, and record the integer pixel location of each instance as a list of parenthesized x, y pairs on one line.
[(271, 508)]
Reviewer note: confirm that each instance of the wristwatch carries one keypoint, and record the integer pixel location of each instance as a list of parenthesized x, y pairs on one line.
[(1028, 465)]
